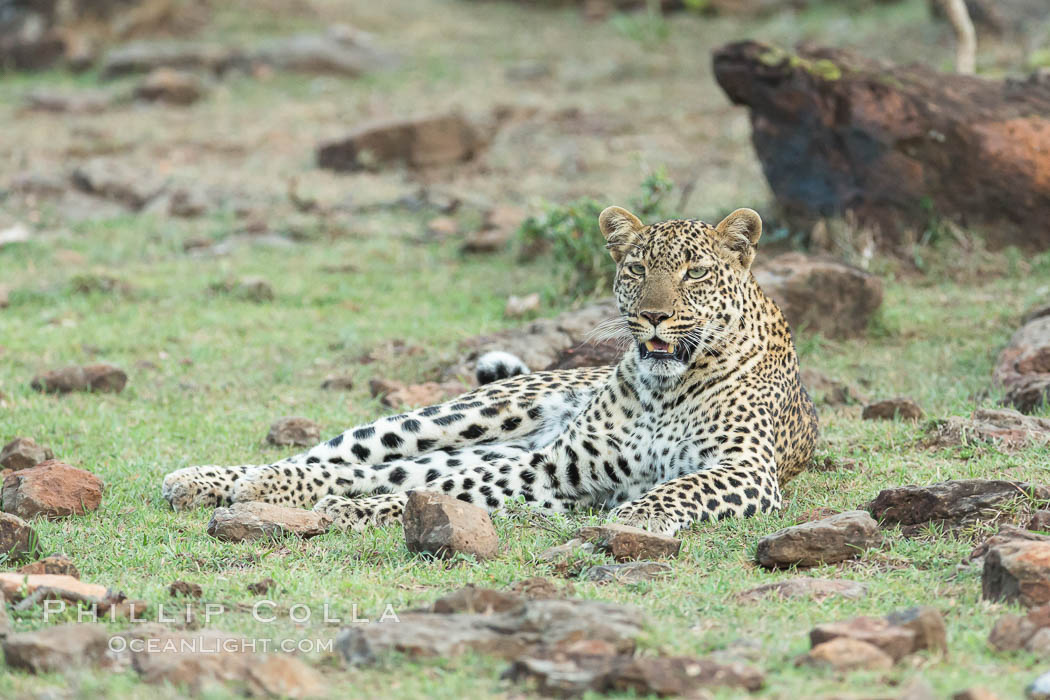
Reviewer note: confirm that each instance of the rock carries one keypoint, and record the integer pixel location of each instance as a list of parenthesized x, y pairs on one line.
[(57, 648), (536, 624), (1040, 521), (250, 288), (497, 229), (28, 39), (821, 295), (1039, 689), (1017, 570), (15, 586), (256, 520), (345, 52), (22, 453), (338, 383), (445, 526), (816, 589), (5, 623), (541, 343), (81, 102), (847, 654), (1023, 366), (539, 588), (1006, 428), (284, 676), (262, 587), (629, 572), (626, 543), (442, 227), (521, 306), (147, 56), (949, 504), (895, 641), (401, 396), (41, 185), (927, 624), (170, 86), (298, 431), (186, 203), (55, 564), (185, 589), (838, 133), (51, 489), (420, 142), (114, 180), (100, 378), (826, 541), (569, 675), (1006, 533), (470, 599), (830, 391), (892, 409), (18, 541)]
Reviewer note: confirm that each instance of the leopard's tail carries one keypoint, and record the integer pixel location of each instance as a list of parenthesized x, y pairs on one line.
[(496, 365)]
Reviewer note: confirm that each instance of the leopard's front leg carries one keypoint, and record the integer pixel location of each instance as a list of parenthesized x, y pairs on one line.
[(210, 486), (740, 489)]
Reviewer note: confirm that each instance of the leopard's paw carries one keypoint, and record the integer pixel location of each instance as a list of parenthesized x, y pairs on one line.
[(194, 487), (646, 518)]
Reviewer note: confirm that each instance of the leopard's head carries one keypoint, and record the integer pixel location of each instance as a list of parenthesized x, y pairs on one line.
[(681, 286)]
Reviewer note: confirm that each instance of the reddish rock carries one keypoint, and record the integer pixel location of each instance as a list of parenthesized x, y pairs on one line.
[(1023, 367), (444, 526), (400, 396), (847, 654), (497, 229), (949, 504), (170, 86), (23, 453), (470, 599), (185, 589), (521, 306), (1017, 570), (256, 520), (17, 539), (1006, 428), (928, 625), (301, 432), (51, 489), (421, 142), (816, 589), (57, 564), (262, 587), (57, 648), (626, 543), (826, 541), (839, 133), (15, 585), (830, 391), (821, 295), (891, 409), (566, 675), (338, 383), (895, 641)]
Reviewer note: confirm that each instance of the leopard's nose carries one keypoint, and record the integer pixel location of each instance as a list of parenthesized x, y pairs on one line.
[(654, 317)]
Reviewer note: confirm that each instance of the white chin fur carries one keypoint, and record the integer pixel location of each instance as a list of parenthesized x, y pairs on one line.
[(667, 369)]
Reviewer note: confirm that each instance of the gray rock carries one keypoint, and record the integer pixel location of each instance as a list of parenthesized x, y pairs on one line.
[(816, 589), (23, 453), (536, 624), (57, 648), (826, 541), (112, 179), (256, 520), (630, 572), (294, 430), (18, 540), (626, 543), (444, 526)]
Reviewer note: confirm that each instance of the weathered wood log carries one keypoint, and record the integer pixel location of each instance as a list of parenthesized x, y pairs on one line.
[(898, 146)]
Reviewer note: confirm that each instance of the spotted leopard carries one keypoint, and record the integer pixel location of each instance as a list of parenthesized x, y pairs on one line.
[(704, 417)]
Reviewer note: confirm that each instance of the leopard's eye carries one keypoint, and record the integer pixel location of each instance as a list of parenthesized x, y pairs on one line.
[(695, 273), (636, 269)]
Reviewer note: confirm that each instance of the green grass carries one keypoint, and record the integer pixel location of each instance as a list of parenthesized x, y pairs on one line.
[(222, 369)]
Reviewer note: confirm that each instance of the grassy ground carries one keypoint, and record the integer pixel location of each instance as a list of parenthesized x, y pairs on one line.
[(209, 372)]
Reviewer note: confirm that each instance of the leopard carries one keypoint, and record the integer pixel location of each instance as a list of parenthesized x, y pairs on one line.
[(704, 418)]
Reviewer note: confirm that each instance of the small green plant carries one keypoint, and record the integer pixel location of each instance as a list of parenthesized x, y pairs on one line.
[(569, 234), (648, 27)]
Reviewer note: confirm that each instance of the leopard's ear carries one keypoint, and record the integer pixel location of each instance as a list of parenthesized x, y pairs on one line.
[(620, 228), (739, 233)]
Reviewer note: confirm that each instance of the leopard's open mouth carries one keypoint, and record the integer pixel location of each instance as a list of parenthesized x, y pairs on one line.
[(656, 349)]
